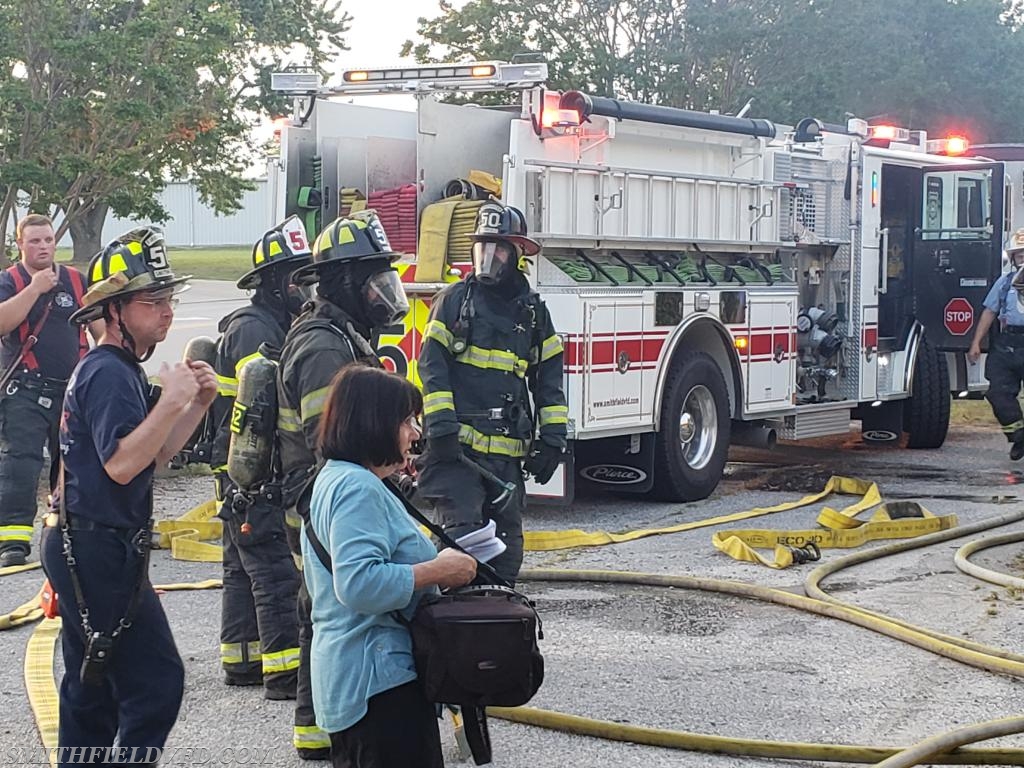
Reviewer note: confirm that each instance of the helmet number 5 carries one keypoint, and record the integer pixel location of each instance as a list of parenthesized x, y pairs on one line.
[(298, 241), (157, 257)]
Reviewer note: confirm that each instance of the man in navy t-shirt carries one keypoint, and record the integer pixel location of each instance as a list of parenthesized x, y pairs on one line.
[(123, 678), (37, 298)]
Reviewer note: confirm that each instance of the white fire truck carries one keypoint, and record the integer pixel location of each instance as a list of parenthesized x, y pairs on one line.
[(716, 279)]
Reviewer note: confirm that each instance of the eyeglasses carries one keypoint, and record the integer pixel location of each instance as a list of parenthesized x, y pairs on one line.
[(170, 302), (413, 422)]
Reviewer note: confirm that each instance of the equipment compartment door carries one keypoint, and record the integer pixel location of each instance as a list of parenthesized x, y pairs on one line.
[(613, 362), (771, 352), (957, 249)]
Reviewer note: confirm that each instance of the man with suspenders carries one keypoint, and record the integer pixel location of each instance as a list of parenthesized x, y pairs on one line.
[(39, 350)]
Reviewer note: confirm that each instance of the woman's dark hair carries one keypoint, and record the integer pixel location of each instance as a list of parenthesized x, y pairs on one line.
[(364, 411)]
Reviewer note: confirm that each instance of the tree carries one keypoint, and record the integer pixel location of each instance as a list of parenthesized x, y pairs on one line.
[(933, 64), (103, 101)]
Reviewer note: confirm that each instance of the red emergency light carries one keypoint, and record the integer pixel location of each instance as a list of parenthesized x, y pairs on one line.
[(951, 145), (884, 135), (279, 125), (554, 121)]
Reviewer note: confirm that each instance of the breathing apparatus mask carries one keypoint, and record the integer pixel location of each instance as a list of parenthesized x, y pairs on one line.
[(384, 299), (370, 291), (289, 296), (494, 261)]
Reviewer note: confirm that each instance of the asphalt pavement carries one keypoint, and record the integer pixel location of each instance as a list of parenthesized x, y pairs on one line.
[(669, 658)]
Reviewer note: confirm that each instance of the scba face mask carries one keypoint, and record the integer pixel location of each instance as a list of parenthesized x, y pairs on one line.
[(493, 260), (385, 299)]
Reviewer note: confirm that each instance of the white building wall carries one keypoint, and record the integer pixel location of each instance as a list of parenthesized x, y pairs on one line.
[(195, 225)]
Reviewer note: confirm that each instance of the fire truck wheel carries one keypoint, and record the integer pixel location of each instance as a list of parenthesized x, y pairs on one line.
[(926, 414), (692, 442)]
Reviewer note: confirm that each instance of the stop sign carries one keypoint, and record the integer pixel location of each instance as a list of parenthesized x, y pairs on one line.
[(958, 316)]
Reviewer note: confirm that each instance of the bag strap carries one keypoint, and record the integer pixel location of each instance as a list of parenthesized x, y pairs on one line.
[(325, 558), (321, 551), (445, 539)]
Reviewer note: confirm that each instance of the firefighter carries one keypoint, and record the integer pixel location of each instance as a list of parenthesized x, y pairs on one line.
[(36, 299), (259, 640), (123, 677), (488, 344), (358, 293), (1004, 364)]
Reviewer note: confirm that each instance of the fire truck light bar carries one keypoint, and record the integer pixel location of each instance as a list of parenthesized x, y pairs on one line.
[(295, 82), (475, 75), (424, 73)]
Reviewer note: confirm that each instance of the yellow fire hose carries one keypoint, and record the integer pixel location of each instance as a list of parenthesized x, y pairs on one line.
[(39, 682), (993, 577), (723, 745), (930, 750), (185, 539), (975, 654), (749, 747)]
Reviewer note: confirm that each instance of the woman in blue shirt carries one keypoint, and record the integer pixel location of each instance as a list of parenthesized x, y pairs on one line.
[(365, 691)]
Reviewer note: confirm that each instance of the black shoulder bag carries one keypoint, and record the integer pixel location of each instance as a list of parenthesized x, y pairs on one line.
[(476, 645)]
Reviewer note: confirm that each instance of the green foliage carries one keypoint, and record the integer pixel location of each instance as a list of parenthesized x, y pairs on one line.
[(103, 101), (934, 64)]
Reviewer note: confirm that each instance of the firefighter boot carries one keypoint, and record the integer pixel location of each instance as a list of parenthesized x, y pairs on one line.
[(13, 555), (1017, 445)]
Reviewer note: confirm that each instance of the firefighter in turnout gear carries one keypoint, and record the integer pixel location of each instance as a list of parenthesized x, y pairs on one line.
[(1004, 364), (488, 345), (358, 293), (38, 351), (259, 639)]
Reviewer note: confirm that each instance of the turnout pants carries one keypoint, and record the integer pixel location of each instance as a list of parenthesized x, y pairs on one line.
[(259, 636), (1004, 369), (137, 702), (461, 499), (28, 421), (309, 740)]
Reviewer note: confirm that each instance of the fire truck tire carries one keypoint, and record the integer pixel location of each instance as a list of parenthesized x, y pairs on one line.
[(926, 414), (692, 442)]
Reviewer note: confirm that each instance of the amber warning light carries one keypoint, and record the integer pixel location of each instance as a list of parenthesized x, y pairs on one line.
[(411, 74)]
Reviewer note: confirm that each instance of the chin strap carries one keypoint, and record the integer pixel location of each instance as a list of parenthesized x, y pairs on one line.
[(127, 340)]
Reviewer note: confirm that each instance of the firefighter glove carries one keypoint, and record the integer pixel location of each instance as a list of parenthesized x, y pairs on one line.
[(445, 447), (543, 462)]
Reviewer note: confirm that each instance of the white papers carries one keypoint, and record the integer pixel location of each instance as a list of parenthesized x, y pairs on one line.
[(482, 543)]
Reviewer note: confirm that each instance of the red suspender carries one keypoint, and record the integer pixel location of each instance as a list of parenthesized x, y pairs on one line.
[(78, 288), (20, 282)]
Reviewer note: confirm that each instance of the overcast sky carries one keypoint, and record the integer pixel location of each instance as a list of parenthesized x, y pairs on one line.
[(379, 27)]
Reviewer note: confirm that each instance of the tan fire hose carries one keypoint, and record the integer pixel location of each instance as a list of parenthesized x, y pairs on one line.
[(946, 748)]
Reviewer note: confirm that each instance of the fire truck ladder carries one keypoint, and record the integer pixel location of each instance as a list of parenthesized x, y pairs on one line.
[(613, 193)]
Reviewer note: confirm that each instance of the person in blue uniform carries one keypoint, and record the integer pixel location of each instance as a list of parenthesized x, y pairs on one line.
[(124, 679), (1004, 364)]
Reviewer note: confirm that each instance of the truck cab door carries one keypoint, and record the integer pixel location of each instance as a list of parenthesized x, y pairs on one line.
[(957, 249)]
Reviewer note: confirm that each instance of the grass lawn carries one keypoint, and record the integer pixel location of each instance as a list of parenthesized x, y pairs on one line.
[(972, 412), (228, 263)]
